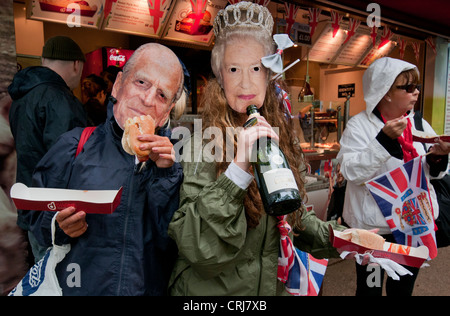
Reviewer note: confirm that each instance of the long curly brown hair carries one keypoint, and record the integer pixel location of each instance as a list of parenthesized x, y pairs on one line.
[(217, 113)]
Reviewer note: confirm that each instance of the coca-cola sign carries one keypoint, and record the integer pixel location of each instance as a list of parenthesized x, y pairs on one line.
[(117, 57)]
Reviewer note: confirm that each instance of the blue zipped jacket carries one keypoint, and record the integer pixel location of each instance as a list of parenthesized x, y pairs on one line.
[(127, 252)]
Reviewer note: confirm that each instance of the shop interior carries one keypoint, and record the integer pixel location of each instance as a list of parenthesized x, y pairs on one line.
[(323, 71)]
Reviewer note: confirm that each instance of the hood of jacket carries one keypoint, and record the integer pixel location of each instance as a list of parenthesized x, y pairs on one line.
[(27, 79), (379, 77)]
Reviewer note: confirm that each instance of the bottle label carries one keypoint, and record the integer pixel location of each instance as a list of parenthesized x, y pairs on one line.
[(278, 179)]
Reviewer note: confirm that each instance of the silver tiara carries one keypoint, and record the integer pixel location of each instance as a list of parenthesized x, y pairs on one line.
[(243, 14)]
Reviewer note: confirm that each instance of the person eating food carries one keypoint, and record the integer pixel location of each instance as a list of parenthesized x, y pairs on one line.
[(127, 252)]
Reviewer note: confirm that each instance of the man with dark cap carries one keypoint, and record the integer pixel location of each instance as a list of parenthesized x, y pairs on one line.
[(43, 108)]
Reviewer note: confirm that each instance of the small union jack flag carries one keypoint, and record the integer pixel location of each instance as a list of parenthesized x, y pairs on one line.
[(302, 273), (373, 35), (291, 13), (385, 37), (314, 14), (157, 10), (353, 26), (336, 18), (430, 42), (401, 47), (416, 49), (404, 199)]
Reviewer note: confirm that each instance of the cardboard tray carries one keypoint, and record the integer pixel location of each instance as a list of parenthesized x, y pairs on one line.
[(44, 199), (419, 136), (410, 256)]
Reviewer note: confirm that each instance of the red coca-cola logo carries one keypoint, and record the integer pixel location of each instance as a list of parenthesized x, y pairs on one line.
[(116, 58)]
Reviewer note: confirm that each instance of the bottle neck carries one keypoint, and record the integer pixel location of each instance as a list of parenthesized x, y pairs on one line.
[(252, 111), (255, 114)]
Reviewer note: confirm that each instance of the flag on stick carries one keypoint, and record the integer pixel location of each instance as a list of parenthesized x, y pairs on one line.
[(404, 199)]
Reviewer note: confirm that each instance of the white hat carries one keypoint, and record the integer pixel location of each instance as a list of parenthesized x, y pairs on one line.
[(379, 78)]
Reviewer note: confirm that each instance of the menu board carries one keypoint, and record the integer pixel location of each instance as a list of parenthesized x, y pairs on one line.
[(142, 17), (326, 46), (74, 13), (192, 21)]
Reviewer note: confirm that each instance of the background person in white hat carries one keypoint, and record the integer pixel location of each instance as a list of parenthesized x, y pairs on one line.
[(378, 140)]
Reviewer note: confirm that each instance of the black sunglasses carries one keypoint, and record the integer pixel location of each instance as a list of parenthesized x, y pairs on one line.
[(410, 88)]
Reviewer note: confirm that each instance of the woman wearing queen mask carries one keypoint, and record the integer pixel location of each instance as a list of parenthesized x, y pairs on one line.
[(227, 244)]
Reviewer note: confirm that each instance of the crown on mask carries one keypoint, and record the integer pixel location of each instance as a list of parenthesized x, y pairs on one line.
[(243, 14)]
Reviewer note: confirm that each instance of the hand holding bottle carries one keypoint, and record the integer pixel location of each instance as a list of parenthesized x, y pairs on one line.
[(274, 178), (247, 138)]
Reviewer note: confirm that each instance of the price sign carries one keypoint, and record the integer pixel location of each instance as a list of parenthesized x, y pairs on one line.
[(346, 89)]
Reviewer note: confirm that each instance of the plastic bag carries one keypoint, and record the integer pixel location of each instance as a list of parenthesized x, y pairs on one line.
[(41, 279)]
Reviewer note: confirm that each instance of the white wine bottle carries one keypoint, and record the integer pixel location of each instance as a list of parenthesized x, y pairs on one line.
[(275, 180)]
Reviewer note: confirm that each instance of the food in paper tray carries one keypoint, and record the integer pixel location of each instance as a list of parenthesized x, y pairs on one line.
[(422, 137), (134, 127), (363, 241), (364, 238), (48, 199)]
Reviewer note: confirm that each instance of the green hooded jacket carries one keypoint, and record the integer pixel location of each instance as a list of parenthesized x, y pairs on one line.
[(218, 254)]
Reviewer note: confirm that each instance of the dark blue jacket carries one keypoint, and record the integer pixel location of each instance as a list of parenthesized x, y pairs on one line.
[(127, 252)]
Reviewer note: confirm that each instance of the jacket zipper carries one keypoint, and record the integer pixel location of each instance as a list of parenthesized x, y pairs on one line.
[(261, 250), (128, 209)]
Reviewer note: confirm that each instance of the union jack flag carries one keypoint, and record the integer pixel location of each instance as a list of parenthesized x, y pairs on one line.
[(291, 13), (284, 96), (416, 49), (314, 14), (401, 47), (385, 37), (306, 275), (302, 273), (373, 35), (353, 26), (336, 18), (430, 42), (157, 10), (404, 199)]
